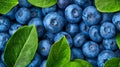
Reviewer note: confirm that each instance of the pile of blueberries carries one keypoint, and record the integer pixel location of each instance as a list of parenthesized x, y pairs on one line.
[(90, 33)]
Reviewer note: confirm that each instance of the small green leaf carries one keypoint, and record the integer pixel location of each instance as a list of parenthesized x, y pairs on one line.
[(118, 40), (43, 3), (114, 62), (108, 5), (78, 63), (7, 5), (59, 53), (21, 47)]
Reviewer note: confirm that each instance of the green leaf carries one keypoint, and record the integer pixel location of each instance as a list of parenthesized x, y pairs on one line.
[(59, 53), (108, 5), (21, 47), (118, 40), (78, 63), (43, 3), (7, 5), (114, 62)]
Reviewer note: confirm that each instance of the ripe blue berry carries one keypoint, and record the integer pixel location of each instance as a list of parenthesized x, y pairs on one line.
[(3, 39), (107, 30), (43, 63), (23, 15), (94, 33), (24, 3), (110, 44), (90, 49), (72, 29), (116, 20), (73, 13), (79, 40), (44, 47), (91, 16), (53, 22), (36, 12)]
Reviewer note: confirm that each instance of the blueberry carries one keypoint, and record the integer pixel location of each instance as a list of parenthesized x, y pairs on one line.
[(116, 20), (23, 15), (36, 12), (14, 28), (107, 17), (107, 30), (49, 36), (45, 11), (68, 37), (84, 28), (91, 16), (101, 47), (44, 47), (3, 39), (43, 63), (92, 61), (53, 22), (39, 25), (61, 12), (63, 3), (2, 57), (94, 33), (77, 53), (11, 13), (73, 13), (117, 53), (72, 29), (79, 40), (24, 3), (36, 61), (80, 2), (90, 49), (104, 56), (110, 44), (2, 64), (4, 24)]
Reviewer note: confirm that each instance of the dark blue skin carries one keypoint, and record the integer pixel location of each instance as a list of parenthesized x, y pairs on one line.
[(101, 47), (3, 40), (39, 26), (4, 24), (116, 20), (24, 3), (45, 11), (36, 61), (107, 17), (62, 4), (117, 53), (92, 61), (53, 22), (77, 53), (84, 28), (61, 34), (91, 16), (72, 29), (14, 27), (44, 47), (80, 2), (94, 33), (23, 15), (2, 64), (2, 57), (49, 36), (110, 44), (11, 13), (73, 13), (90, 49), (61, 12), (43, 63), (79, 40), (36, 12), (104, 56), (107, 30)]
